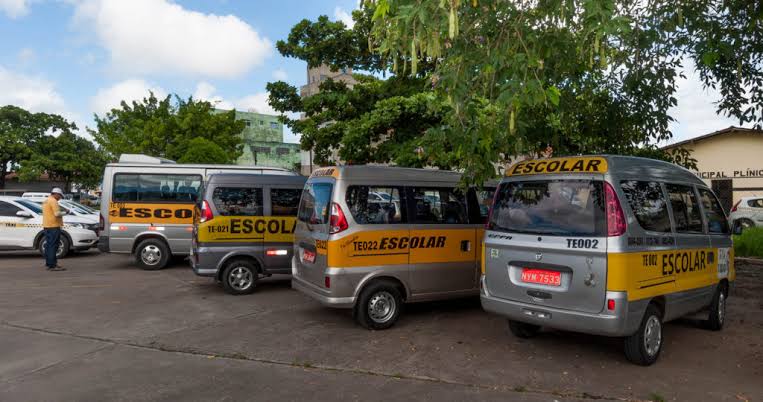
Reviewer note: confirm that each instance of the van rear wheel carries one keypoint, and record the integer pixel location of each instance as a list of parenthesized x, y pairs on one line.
[(717, 316), (643, 347), (523, 329), (378, 306), (240, 277), (152, 254)]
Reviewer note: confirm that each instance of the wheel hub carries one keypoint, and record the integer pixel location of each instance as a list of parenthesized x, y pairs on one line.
[(652, 335), (381, 307), (150, 255), (721, 307), (240, 278)]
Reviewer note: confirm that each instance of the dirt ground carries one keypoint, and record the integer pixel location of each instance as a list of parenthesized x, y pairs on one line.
[(105, 330)]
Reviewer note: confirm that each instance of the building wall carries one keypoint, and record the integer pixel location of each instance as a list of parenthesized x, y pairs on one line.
[(736, 155)]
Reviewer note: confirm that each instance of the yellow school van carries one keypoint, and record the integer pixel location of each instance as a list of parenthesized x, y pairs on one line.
[(608, 245), (371, 238)]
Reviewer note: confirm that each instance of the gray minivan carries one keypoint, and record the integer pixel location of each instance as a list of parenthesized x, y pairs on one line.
[(608, 245), (244, 228)]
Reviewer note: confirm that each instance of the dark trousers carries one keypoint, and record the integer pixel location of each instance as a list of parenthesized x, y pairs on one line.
[(52, 236)]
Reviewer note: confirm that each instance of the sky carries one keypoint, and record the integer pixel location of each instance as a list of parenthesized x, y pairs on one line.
[(78, 58)]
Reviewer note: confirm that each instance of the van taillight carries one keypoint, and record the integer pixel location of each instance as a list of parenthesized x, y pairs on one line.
[(734, 208), (101, 223), (337, 221), (615, 218), (206, 212)]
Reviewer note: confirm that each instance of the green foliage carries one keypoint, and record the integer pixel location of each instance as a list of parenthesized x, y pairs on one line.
[(66, 158), (591, 76), (749, 243), (202, 150), (166, 127), (22, 133)]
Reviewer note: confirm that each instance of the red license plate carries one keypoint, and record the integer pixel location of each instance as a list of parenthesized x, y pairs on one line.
[(308, 256), (541, 276)]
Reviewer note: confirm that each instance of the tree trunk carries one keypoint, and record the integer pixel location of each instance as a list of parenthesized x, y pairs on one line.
[(3, 167)]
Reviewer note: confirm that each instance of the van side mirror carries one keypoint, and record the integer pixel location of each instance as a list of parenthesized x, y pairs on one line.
[(23, 214)]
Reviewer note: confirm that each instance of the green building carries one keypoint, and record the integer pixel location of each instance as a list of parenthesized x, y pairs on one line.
[(263, 142)]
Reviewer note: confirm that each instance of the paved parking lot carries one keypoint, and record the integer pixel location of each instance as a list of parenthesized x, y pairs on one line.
[(105, 330)]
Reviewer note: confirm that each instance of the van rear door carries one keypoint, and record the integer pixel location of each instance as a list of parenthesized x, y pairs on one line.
[(312, 231), (546, 243)]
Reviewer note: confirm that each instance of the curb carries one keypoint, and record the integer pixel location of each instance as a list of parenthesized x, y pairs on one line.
[(756, 261)]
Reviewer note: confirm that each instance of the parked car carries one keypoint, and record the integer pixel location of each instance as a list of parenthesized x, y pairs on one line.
[(37, 197), (746, 213), (21, 228), (78, 209)]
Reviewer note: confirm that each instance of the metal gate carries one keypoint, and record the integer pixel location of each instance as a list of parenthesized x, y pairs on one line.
[(724, 189)]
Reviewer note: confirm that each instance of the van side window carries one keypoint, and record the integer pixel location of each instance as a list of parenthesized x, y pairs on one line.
[(440, 205), (156, 188), (716, 219), (484, 201), (284, 201), (685, 209), (648, 204), (238, 201), (7, 209), (375, 205)]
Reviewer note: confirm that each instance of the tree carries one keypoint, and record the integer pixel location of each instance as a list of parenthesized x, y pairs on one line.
[(202, 150), (67, 158), (580, 76), (20, 131), (166, 127)]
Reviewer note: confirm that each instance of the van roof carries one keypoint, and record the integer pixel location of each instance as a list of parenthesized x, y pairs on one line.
[(386, 173), (244, 178), (197, 166), (631, 167)]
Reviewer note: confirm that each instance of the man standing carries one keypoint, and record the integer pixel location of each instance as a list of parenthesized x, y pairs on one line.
[(52, 221)]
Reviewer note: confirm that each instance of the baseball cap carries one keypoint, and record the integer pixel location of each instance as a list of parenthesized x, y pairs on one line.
[(56, 190)]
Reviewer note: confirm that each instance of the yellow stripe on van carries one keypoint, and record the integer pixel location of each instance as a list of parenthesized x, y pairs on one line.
[(326, 172), (278, 229), (647, 274), (151, 213), (577, 164), (396, 247)]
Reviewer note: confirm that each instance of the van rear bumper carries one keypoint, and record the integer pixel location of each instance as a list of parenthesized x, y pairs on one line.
[(321, 295), (620, 322)]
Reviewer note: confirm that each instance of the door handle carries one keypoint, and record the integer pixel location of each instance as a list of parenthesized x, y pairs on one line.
[(466, 245)]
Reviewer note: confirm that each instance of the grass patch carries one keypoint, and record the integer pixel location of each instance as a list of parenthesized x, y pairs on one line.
[(749, 243), (656, 397)]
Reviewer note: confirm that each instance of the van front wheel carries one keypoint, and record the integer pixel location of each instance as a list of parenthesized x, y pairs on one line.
[(643, 347), (152, 254), (523, 329), (378, 306)]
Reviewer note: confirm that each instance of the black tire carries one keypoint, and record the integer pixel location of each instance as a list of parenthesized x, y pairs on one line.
[(523, 329), (379, 305), (152, 254), (717, 316), (239, 277), (644, 347), (64, 247)]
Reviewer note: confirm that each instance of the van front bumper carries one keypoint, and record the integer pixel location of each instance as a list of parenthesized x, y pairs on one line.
[(623, 321), (322, 295)]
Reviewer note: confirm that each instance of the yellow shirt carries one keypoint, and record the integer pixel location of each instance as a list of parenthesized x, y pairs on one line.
[(50, 212)]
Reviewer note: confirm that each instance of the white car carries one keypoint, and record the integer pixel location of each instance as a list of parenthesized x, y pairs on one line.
[(746, 213), (35, 196), (78, 209), (21, 228)]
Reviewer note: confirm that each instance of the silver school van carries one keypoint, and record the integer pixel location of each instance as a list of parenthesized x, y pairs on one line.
[(607, 245), (244, 228), (371, 238), (147, 206)]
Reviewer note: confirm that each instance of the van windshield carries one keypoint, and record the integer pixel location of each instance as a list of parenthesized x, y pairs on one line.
[(552, 207), (315, 203)]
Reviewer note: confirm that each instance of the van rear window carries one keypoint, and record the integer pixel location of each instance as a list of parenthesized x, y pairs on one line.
[(551, 207), (238, 201), (314, 207)]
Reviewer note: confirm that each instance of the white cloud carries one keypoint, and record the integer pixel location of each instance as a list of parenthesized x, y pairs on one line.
[(280, 75), (15, 8), (341, 15), (206, 91), (159, 36), (32, 93), (129, 90), (26, 55), (696, 112)]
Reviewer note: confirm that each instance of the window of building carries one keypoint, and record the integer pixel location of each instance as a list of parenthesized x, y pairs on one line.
[(440, 205), (156, 188), (282, 151), (262, 150), (686, 214), (274, 125), (238, 201), (648, 204), (375, 205), (262, 122), (248, 122), (284, 201), (8, 209), (716, 219)]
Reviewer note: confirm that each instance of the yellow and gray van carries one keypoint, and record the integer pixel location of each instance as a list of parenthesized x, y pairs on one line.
[(607, 245), (371, 238), (244, 228)]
